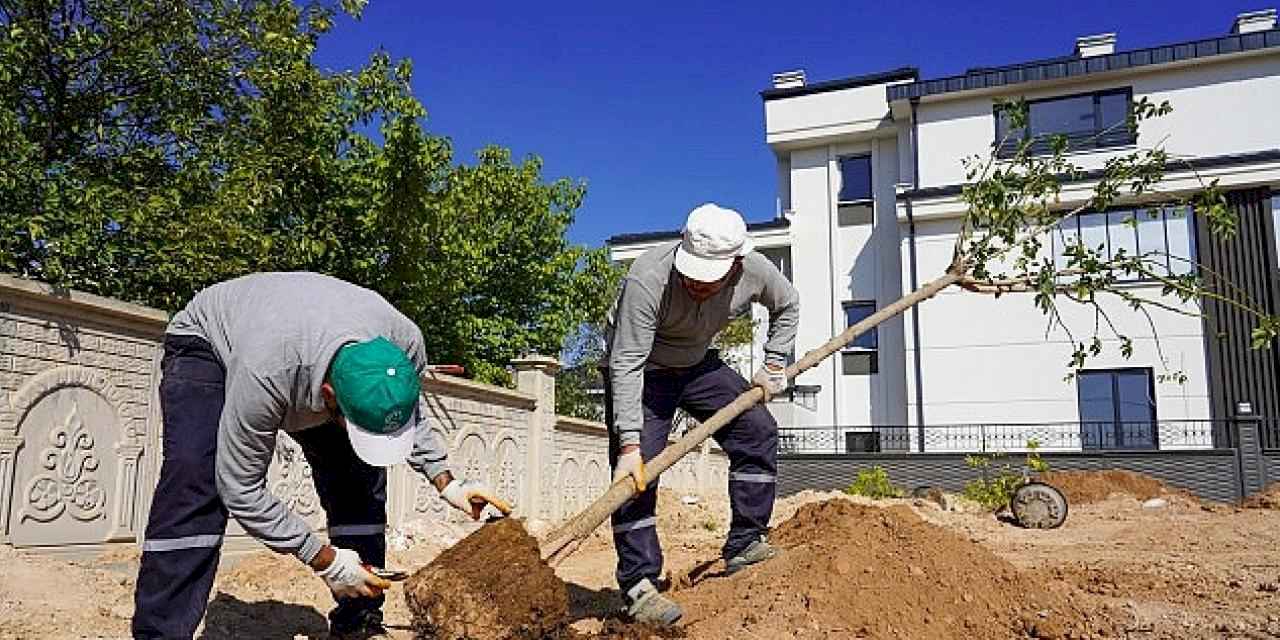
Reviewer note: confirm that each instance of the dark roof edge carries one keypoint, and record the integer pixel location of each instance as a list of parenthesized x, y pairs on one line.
[(901, 73), (1208, 162), (650, 236), (1059, 68)]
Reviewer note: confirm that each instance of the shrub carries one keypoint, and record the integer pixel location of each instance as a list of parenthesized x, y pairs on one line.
[(995, 486), (874, 483)]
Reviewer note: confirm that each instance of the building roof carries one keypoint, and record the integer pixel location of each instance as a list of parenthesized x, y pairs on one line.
[(895, 75), (654, 236), (1071, 66)]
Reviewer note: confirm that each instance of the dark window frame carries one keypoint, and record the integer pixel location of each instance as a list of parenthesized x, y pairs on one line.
[(1141, 213), (1076, 142), (1118, 423), (861, 359), (871, 179)]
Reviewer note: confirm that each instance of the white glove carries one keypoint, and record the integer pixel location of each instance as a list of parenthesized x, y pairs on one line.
[(472, 497), (631, 464), (347, 577), (771, 378)]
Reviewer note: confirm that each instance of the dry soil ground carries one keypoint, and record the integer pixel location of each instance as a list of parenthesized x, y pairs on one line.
[(853, 568)]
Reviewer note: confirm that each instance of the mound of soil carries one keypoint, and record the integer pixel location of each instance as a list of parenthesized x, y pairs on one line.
[(1086, 487), (1268, 498), (857, 571), (493, 585)]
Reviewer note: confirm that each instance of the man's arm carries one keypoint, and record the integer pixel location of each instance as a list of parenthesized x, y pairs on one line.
[(251, 418), (635, 321), (429, 456), (782, 300)]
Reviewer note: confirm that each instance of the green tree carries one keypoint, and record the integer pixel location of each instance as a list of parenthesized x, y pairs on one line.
[(580, 384), (148, 149)]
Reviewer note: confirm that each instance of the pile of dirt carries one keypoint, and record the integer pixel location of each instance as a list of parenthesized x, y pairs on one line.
[(1087, 487), (1268, 498), (493, 585), (858, 571)]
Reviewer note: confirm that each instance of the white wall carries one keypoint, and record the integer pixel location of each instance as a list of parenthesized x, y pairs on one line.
[(1219, 107), (989, 360), (811, 265), (826, 116)]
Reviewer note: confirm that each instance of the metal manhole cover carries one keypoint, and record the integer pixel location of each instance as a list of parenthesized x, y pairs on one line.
[(1037, 505)]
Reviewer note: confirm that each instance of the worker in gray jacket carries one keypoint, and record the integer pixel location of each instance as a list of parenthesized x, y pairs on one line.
[(675, 298), (336, 367)]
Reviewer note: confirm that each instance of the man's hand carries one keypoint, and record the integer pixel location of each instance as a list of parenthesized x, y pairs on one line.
[(347, 577), (472, 497), (771, 378), (630, 463)]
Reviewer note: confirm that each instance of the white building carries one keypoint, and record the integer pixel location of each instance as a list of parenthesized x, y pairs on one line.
[(869, 174)]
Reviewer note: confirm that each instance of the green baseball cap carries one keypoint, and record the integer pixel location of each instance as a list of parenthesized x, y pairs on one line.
[(377, 388)]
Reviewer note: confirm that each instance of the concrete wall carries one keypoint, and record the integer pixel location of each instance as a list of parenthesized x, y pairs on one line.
[(834, 264), (79, 427), (81, 435), (990, 359), (1219, 107)]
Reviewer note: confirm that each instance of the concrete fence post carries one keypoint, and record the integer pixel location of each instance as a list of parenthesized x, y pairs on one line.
[(1250, 463), (536, 376)]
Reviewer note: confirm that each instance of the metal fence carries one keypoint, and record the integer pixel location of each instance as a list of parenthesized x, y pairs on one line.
[(991, 437)]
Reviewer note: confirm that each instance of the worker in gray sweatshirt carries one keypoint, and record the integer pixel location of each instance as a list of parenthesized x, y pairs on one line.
[(336, 367), (675, 298)]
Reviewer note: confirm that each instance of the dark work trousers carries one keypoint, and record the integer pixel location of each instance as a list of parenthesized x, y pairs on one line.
[(184, 532), (751, 441)]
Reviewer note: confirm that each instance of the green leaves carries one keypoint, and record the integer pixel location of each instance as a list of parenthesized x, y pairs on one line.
[(148, 152)]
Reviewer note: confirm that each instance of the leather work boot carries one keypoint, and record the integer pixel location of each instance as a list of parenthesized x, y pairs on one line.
[(756, 552), (650, 607)]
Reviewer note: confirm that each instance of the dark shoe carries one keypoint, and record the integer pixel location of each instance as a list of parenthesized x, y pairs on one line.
[(650, 607), (758, 551), (367, 626)]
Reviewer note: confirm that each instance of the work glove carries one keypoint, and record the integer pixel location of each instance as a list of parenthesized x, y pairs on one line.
[(631, 464), (472, 497), (348, 578), (771, 378)]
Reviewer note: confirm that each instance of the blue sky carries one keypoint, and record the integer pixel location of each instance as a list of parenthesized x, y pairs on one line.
[(656, 105)]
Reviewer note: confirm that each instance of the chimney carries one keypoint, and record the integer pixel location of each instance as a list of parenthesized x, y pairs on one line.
[(1096, 45), (788, 79), (1252, 21)]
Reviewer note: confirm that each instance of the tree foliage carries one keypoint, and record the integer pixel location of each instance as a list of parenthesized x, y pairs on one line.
[(150, 149)]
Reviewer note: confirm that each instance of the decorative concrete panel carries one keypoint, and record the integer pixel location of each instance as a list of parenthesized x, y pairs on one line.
[(77, 374), (68, 469), (289, 478)]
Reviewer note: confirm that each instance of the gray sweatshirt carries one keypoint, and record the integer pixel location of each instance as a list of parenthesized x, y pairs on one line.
[(654, 322), (276, 334)]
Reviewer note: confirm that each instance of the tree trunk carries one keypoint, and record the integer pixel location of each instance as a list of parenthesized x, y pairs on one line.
[(562, 542)]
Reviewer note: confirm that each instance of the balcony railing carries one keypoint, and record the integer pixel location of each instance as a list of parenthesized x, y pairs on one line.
[(993, 437)]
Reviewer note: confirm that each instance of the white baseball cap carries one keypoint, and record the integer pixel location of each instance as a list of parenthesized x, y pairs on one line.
[(713, 237)]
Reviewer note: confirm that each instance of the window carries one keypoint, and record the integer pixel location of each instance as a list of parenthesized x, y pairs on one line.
[(1166, 235), (1275, 223), (1117, 409), (854, 202), (861, 357), (1088, 121)]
